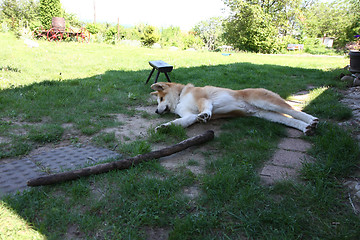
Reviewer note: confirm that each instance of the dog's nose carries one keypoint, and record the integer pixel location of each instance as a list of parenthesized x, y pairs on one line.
[(156, 111)]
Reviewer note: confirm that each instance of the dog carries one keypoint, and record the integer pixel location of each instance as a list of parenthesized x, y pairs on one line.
[(200, 104)]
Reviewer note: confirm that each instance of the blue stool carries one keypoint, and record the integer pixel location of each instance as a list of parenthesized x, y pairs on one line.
[(162, 67)]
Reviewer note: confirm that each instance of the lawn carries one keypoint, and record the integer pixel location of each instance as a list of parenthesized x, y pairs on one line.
[(84, 85)]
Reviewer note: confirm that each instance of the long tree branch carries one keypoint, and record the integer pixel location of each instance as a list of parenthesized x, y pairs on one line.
[(121, 164)]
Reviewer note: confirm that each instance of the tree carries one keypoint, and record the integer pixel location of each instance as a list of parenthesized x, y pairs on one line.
[(11, 9), (250, 28), (48, 10), (210, 31), (20, 12), (338, 19), (282, 14)]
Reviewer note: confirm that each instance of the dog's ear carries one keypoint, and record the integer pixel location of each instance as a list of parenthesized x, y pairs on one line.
[(159, 86), (154, 93)]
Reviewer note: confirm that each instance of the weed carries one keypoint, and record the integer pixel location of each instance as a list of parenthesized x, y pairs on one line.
[(106, 139), (134, 148), (192, 162), (170, 134), (10, 68), (46, 133)]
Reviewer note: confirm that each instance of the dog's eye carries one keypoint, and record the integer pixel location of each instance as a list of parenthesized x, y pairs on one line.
[(161, 99)]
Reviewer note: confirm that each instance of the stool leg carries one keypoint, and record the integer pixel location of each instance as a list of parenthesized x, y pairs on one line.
[(151, 73), (157, 75), (167, 76)]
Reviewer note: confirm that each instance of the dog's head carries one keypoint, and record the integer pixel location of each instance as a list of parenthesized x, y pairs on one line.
[(168, 95)]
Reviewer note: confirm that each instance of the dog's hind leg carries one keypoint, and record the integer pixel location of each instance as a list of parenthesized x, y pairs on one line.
[(311, 120), (306, 128), (285, 108)]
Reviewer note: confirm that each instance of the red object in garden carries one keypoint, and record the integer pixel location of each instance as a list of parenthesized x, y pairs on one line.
[(54, 35), (59, 32), (83, 35)]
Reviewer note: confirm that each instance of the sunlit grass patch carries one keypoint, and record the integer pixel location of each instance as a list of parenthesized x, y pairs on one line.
[(324, 103), (12, 226)]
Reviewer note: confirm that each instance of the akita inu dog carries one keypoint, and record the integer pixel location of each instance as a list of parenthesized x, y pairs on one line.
[(200, 104)]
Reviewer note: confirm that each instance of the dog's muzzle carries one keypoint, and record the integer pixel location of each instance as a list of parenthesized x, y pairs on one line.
[(167, 109)]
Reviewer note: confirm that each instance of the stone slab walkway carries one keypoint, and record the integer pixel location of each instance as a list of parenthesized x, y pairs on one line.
[(14, 175), (287, 159)]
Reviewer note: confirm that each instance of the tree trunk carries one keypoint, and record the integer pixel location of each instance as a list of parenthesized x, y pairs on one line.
[(121, 164)]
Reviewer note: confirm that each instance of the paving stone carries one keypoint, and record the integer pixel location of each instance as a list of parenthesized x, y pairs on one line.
[(288, 158), (271, 173), (294, 144), (294, 133), (14, 175), (70, 157)]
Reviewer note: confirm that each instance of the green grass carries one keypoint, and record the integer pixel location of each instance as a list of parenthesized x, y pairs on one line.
[(325, 104), (98, 81)]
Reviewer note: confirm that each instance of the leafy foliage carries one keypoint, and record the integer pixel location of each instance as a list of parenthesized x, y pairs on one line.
[(335, 19), (150, 35), (211, 32), (19, 11), (250, 29), (48, 10)]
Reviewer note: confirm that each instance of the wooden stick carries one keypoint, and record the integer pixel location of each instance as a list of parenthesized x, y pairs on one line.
[(121, 164)]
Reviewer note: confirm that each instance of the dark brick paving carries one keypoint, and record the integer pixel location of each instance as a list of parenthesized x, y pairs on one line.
[(14, 175)]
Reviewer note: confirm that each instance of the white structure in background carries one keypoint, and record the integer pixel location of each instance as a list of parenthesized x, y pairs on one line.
[(226, 48), (30, 43), (328, 41)]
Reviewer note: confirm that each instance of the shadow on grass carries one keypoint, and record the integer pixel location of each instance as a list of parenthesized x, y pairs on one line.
[(89, 103)]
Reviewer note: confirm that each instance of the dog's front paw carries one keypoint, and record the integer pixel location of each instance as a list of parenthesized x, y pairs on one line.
[(162, 126), (203, 117)]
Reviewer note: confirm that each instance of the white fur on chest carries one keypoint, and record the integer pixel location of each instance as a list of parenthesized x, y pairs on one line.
[(186, 105)]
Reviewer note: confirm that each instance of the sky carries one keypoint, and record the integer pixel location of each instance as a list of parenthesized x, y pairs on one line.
[(160, 13)]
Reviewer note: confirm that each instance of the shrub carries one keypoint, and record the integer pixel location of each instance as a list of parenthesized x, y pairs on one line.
[(150, 35), (191, 41), (93, 28)]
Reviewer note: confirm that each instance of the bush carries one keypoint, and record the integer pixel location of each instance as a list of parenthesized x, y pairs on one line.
[(150, 35), (191, 41), (93, 28), (171, 36), (315, 46)]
